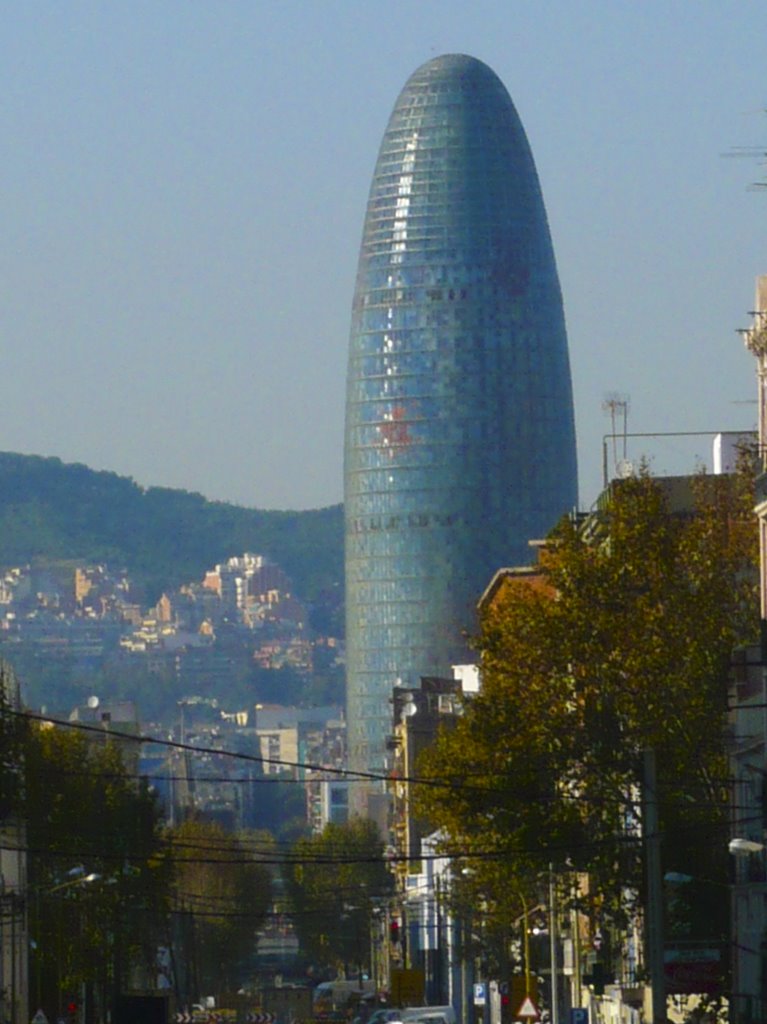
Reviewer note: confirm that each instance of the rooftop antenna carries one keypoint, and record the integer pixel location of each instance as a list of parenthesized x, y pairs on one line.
[(617, 407), (757, 153)]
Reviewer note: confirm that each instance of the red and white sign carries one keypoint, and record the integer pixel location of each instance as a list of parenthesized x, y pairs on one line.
[(528, 1010)]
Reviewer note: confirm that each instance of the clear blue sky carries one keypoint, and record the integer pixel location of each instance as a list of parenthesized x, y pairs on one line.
[(183, 186)]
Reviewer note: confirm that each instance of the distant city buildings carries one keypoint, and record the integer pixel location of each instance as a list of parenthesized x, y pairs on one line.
[(298, 749), (210, 645), (460, 440), (241, 620), (209, 648)]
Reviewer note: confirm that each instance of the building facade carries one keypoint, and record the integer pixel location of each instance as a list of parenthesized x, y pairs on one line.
[(748, 750), (460, 440)]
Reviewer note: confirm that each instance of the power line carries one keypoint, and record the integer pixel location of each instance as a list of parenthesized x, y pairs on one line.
[(457, 852), (454, 783), (347, 773), (56, 772)]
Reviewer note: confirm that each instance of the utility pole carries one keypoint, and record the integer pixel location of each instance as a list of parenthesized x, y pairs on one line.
[(655, 941), (466, 974), (438, 944), (553, 948)]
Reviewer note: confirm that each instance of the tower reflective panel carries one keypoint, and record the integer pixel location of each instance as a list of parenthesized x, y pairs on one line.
[(460, 440)]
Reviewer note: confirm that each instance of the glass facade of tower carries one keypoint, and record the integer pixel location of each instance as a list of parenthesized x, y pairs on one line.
[(460, 441)]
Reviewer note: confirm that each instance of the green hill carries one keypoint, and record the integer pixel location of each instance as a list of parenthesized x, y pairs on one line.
[(53, 511)]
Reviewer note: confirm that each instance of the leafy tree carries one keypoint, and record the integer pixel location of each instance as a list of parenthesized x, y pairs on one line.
[(220, 899), (622, 644), (335, 881), (98, 882), (279, 806)]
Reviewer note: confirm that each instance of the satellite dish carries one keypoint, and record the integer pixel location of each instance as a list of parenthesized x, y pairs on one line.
[(625, 469), (409, 709), (93, 702)]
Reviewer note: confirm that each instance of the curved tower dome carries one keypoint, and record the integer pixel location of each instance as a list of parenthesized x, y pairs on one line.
[(460, 441)]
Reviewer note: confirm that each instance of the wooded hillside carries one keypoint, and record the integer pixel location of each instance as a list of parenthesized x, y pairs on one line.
[(50, 510)]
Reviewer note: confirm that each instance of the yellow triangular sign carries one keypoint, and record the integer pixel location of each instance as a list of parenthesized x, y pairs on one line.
[(528, 1010)]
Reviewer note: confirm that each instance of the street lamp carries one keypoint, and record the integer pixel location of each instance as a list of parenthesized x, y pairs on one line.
[(93, 876), (740, 847), (76, 878)]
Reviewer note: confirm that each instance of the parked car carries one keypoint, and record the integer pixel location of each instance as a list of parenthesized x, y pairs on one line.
[(428, 1015), (383, 1015)]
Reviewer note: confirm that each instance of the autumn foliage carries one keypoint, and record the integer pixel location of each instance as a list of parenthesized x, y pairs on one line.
[(623, 644)]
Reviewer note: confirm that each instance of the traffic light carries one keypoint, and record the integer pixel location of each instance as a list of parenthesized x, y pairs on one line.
[(394, 932), (72, 1012), (596, 979)]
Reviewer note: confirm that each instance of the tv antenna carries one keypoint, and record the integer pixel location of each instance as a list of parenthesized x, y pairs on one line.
[(617, 407)]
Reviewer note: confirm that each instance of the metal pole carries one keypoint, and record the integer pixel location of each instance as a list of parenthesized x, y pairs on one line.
[(654, 890), (438, 943), (466, 995), (14, 1007), (526, 944), (38, 952), (373, 954), (386, 950), (575, 928), (553, 948)]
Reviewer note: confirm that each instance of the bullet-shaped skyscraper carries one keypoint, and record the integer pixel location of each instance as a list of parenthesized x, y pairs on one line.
[(460, 440)]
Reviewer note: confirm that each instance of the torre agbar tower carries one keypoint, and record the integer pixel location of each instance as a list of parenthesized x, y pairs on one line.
[(460, 441)]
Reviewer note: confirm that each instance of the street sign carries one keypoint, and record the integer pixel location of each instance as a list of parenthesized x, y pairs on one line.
[(521, 987), (480, 994), (690, 968), (528, 1010), (579, 1015), (407, 986)]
